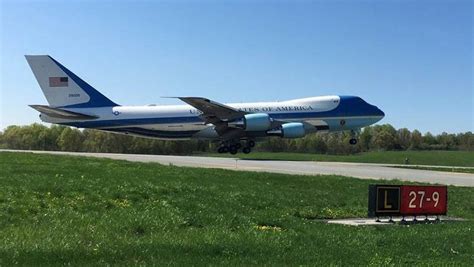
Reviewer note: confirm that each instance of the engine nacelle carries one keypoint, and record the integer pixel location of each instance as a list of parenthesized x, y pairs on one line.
[(254, 122), (289, 130)]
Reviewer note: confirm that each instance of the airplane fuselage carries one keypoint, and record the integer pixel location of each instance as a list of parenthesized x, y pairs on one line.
[(325, 113)]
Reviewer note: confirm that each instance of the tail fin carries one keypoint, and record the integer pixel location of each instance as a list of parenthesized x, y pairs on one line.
[(62, 88)]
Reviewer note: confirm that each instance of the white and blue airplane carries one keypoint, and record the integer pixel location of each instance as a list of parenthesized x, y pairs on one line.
[(74, 102)]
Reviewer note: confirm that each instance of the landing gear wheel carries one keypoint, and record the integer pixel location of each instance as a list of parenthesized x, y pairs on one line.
[(353, 141), (223, 149), (251, 143), (246, 150), (233, 151)]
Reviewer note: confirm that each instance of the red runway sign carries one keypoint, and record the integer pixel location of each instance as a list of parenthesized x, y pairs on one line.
[(423, 200)]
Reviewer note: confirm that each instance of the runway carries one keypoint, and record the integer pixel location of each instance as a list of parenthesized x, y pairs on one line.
[(357, 170)]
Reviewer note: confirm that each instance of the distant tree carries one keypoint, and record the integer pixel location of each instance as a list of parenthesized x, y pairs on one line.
[(276, 144), (446, 141), (429, 141), (335, 144), (378, 137), (384, 140), (11, 137), (96, 141), (404, 138), (51, 136), (319, 145), (466, 141), (365, 139), (70, 140), (34, 137), (304, 144), (416, 140)]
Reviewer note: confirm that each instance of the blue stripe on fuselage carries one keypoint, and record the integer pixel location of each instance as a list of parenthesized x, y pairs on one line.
[(129, 122), (154, 133)]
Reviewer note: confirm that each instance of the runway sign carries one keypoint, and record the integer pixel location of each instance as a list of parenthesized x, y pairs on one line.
[(403, 200)]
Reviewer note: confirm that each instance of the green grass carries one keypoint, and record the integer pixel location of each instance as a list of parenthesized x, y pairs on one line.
[(439, 158), (58, 210), (440, 169)]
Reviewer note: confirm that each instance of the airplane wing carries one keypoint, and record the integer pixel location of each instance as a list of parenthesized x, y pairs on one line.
[(219, 115), (213, 112)]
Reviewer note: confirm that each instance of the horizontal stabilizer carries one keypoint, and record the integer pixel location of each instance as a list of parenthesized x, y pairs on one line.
[(62, 114)]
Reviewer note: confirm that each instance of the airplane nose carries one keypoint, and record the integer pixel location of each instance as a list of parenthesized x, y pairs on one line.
[(380, 113), (377, 112)]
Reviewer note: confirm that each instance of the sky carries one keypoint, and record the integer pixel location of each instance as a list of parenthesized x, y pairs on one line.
[(412, 59)]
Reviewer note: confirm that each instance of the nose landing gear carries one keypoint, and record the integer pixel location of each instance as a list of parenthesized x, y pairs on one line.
[(353, 140)]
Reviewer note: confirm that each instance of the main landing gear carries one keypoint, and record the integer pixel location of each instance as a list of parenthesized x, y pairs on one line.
[(233, 147), (353, 140)]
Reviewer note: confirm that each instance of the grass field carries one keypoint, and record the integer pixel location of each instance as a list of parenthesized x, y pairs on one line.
[(59, 210), (440, 169), (439, 158)]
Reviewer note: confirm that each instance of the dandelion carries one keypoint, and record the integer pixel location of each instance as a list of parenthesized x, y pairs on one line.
[(268, 228), (123, 203)]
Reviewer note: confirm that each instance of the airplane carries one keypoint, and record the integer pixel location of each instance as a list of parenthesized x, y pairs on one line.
[(73, 102)]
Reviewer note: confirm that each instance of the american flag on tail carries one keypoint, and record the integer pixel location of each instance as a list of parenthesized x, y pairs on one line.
[(58, 81)]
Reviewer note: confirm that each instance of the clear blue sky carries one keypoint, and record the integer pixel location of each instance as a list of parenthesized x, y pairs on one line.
[(413, 59)]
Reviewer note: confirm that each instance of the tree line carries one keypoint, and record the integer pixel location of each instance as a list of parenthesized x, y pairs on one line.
[(372, 138)]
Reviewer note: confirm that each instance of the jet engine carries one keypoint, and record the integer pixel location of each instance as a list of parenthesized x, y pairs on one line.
[(254, 122), (289, 130)]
